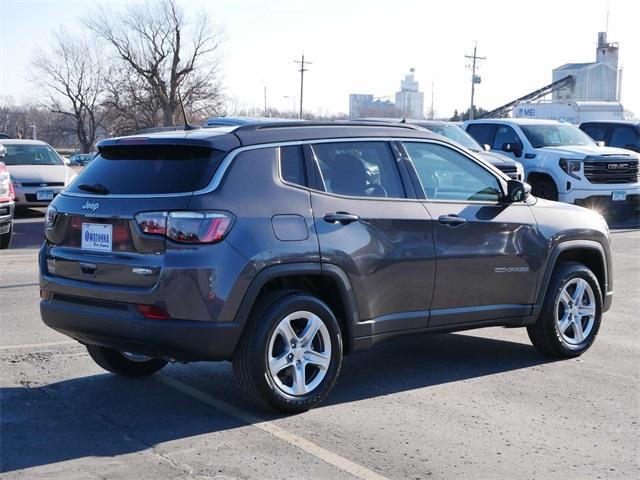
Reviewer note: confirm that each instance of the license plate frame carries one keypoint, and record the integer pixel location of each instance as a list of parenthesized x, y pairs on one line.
[(97, 237), (618, 196), (44, 195)]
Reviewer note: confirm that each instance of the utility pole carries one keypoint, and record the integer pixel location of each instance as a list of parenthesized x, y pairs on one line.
[(265, 102), (33, 125), (474, 78), (302, 63), (431, 110)]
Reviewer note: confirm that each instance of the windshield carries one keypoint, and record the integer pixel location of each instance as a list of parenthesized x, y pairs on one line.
[(455, 133), (555, 136), (31, 155)]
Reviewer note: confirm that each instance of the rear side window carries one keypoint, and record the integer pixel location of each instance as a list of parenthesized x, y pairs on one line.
[(292, 165), (359, 169), (483, 133), (149, 169)]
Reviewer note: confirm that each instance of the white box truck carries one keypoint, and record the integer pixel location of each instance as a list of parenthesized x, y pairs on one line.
[(569, 111)]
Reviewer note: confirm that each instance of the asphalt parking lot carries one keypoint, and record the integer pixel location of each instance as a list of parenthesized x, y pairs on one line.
[(482, 404)]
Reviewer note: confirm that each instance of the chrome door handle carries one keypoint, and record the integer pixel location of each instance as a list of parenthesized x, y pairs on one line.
[(452, 220), (342, 217)]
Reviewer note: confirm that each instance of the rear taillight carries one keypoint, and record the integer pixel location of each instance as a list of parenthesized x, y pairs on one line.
[(50, 217), (188, 226)]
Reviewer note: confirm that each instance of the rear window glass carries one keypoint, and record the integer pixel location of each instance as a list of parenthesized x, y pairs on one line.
[(150, 169)]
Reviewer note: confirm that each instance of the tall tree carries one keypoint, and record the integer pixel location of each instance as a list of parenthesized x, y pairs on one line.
[(72, 77), (164, 52)]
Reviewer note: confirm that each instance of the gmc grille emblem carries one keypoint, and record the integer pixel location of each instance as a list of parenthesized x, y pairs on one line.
[(93, 206), (617, 166)]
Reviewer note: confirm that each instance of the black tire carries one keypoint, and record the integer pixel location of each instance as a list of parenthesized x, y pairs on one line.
[(5, 239), (113, 361), (545, 188), (250, 358), (544, 334)]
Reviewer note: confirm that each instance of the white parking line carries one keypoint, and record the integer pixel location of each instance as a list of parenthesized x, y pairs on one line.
[(28, 346), (311, 448)]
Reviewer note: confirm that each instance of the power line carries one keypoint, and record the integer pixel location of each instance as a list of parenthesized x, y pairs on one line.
[(474, 78), (302, 62)]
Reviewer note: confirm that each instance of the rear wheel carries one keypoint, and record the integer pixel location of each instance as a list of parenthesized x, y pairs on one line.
[(544, 188), (290, 356), (571, 314), (5, 238), (124, 363)]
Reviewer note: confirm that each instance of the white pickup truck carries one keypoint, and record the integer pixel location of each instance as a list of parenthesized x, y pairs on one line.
[(563, 163)]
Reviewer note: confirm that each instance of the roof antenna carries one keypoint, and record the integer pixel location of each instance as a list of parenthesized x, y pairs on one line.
[(184, 114)]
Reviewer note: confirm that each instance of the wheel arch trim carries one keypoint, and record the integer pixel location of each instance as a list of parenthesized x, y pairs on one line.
[(553, 259), (333, 272)]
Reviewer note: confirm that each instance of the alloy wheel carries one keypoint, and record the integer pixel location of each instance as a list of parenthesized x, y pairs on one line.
[(575, 311), (299, 353)]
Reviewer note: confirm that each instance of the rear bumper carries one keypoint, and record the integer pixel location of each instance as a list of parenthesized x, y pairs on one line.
[(120, 327)]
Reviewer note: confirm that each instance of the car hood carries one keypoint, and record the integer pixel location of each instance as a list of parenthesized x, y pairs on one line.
[(496, 159), (576, 151), (39, 173)]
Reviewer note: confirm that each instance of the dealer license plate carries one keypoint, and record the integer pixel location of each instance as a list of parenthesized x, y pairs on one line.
[(97, 237)]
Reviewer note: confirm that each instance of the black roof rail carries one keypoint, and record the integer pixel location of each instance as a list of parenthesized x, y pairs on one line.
[(328, 123)]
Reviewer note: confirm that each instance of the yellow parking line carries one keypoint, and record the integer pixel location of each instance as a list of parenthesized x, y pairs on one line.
[(311, 448)]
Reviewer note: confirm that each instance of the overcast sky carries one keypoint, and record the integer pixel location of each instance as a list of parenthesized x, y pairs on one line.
[(367, 46)]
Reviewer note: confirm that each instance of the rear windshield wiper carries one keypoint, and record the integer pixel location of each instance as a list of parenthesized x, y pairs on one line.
[(94, 188)]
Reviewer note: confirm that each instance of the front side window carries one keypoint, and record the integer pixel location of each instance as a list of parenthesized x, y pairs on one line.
[(504, 135), (31, 155), (482, 132), (358, 169), (555, 135), (446, 174), (596, 131)]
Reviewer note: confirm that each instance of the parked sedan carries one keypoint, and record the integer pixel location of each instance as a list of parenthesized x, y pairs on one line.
[(6, 204), (37, 172)]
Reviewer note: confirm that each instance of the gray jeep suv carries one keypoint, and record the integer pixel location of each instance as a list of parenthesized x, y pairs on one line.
[(284, 246)]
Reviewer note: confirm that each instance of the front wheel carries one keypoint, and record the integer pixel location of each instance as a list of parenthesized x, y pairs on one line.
[(290, 356), (571, 313), (124, 363)]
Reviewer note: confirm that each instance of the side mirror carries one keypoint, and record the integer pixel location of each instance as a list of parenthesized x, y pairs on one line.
[(3, 151), (517, 191), (600, 143), (486, 147), (514, 148)]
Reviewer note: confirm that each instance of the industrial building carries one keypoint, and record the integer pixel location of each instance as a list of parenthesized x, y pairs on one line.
[(409, 102), (594, 81)]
